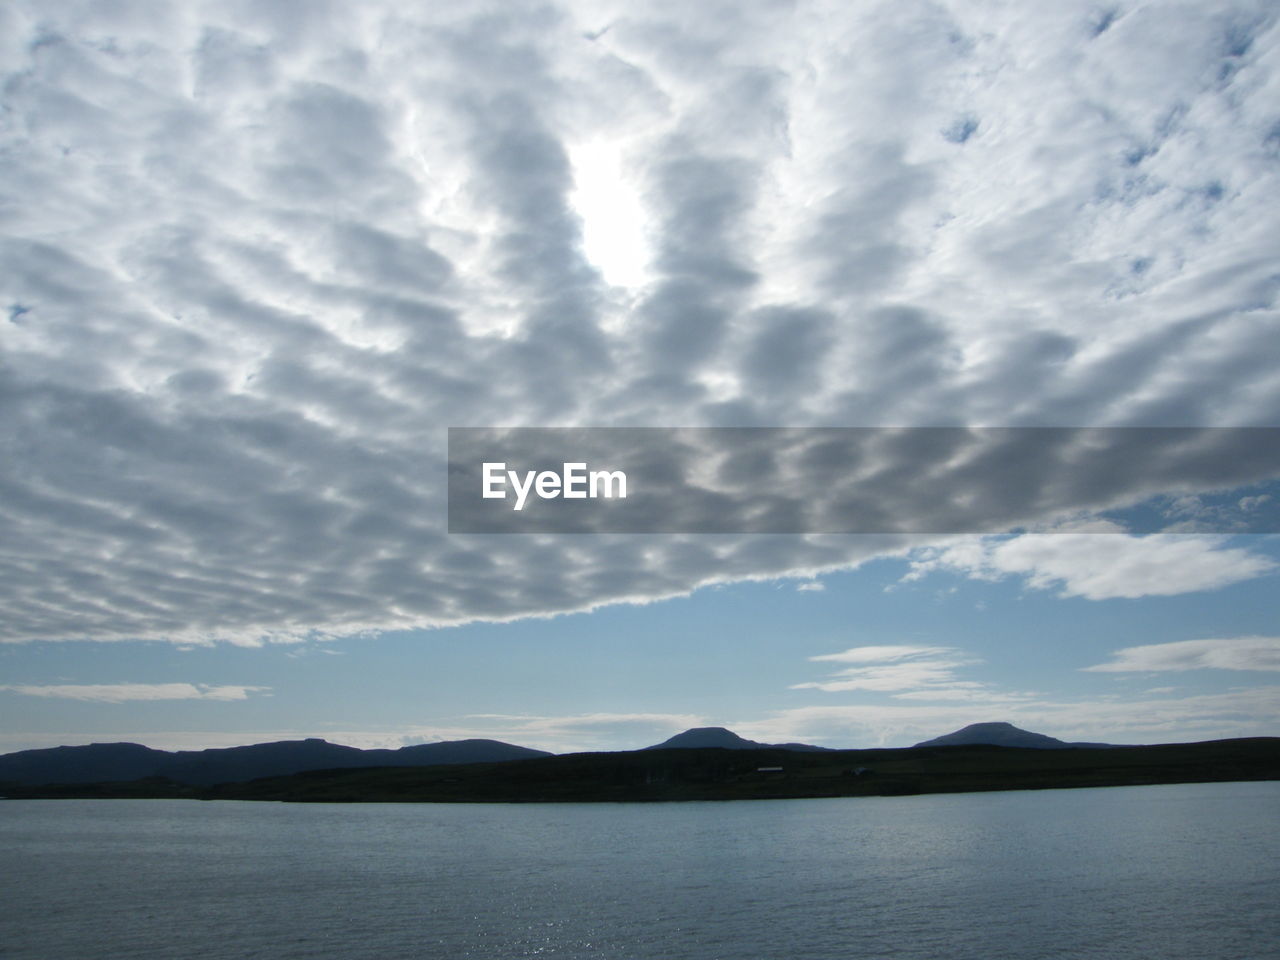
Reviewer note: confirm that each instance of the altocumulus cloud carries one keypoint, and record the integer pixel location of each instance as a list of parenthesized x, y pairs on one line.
[(257, 258)]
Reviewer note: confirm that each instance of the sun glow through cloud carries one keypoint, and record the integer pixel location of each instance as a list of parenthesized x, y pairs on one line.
[(613, 217)]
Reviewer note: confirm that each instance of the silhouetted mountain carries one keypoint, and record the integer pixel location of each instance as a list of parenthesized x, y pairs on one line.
[(1002, 735), (702, 737), (90, 764), (99, 762), (719, 774)]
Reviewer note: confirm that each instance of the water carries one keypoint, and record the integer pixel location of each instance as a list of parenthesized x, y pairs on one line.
[(1189, 871)]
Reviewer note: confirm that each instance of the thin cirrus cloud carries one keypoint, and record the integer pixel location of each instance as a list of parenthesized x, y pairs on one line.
[(255, 264), (132, 692), (884, 653), (1226, 653)]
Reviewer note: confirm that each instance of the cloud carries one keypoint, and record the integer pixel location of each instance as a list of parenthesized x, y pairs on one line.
[(128, 692), (882, 654), (1192, 514), (1229, 653), (907, 673), (1099, 567), (254, 265)]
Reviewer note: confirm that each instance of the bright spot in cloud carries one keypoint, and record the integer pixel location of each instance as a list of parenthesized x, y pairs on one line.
[(613, 234)]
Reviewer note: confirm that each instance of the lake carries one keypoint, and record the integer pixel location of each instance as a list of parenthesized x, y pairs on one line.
[(1186, 871)]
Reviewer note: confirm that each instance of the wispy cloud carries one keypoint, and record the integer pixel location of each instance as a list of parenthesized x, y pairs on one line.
[(128, 692), (1228, 653), (906, 672), (887, 653), (1098, 567)]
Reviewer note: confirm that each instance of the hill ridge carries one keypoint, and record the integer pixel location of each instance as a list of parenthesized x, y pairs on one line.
[(98, 762)]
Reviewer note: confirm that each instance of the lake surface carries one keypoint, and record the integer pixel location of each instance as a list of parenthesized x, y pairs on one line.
[(1188, 871)]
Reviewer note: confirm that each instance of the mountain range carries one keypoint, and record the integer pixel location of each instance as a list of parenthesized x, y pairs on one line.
[(117, 762), (102, 762), (717, 773)]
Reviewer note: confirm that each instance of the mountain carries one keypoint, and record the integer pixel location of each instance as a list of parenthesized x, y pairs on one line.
[(1002, 735), (99, 762), (702, 737)]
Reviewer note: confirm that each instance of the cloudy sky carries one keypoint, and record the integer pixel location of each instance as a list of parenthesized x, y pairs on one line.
[(257, 257)]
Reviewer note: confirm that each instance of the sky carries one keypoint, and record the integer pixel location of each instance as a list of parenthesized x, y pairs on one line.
[(257, 257)]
